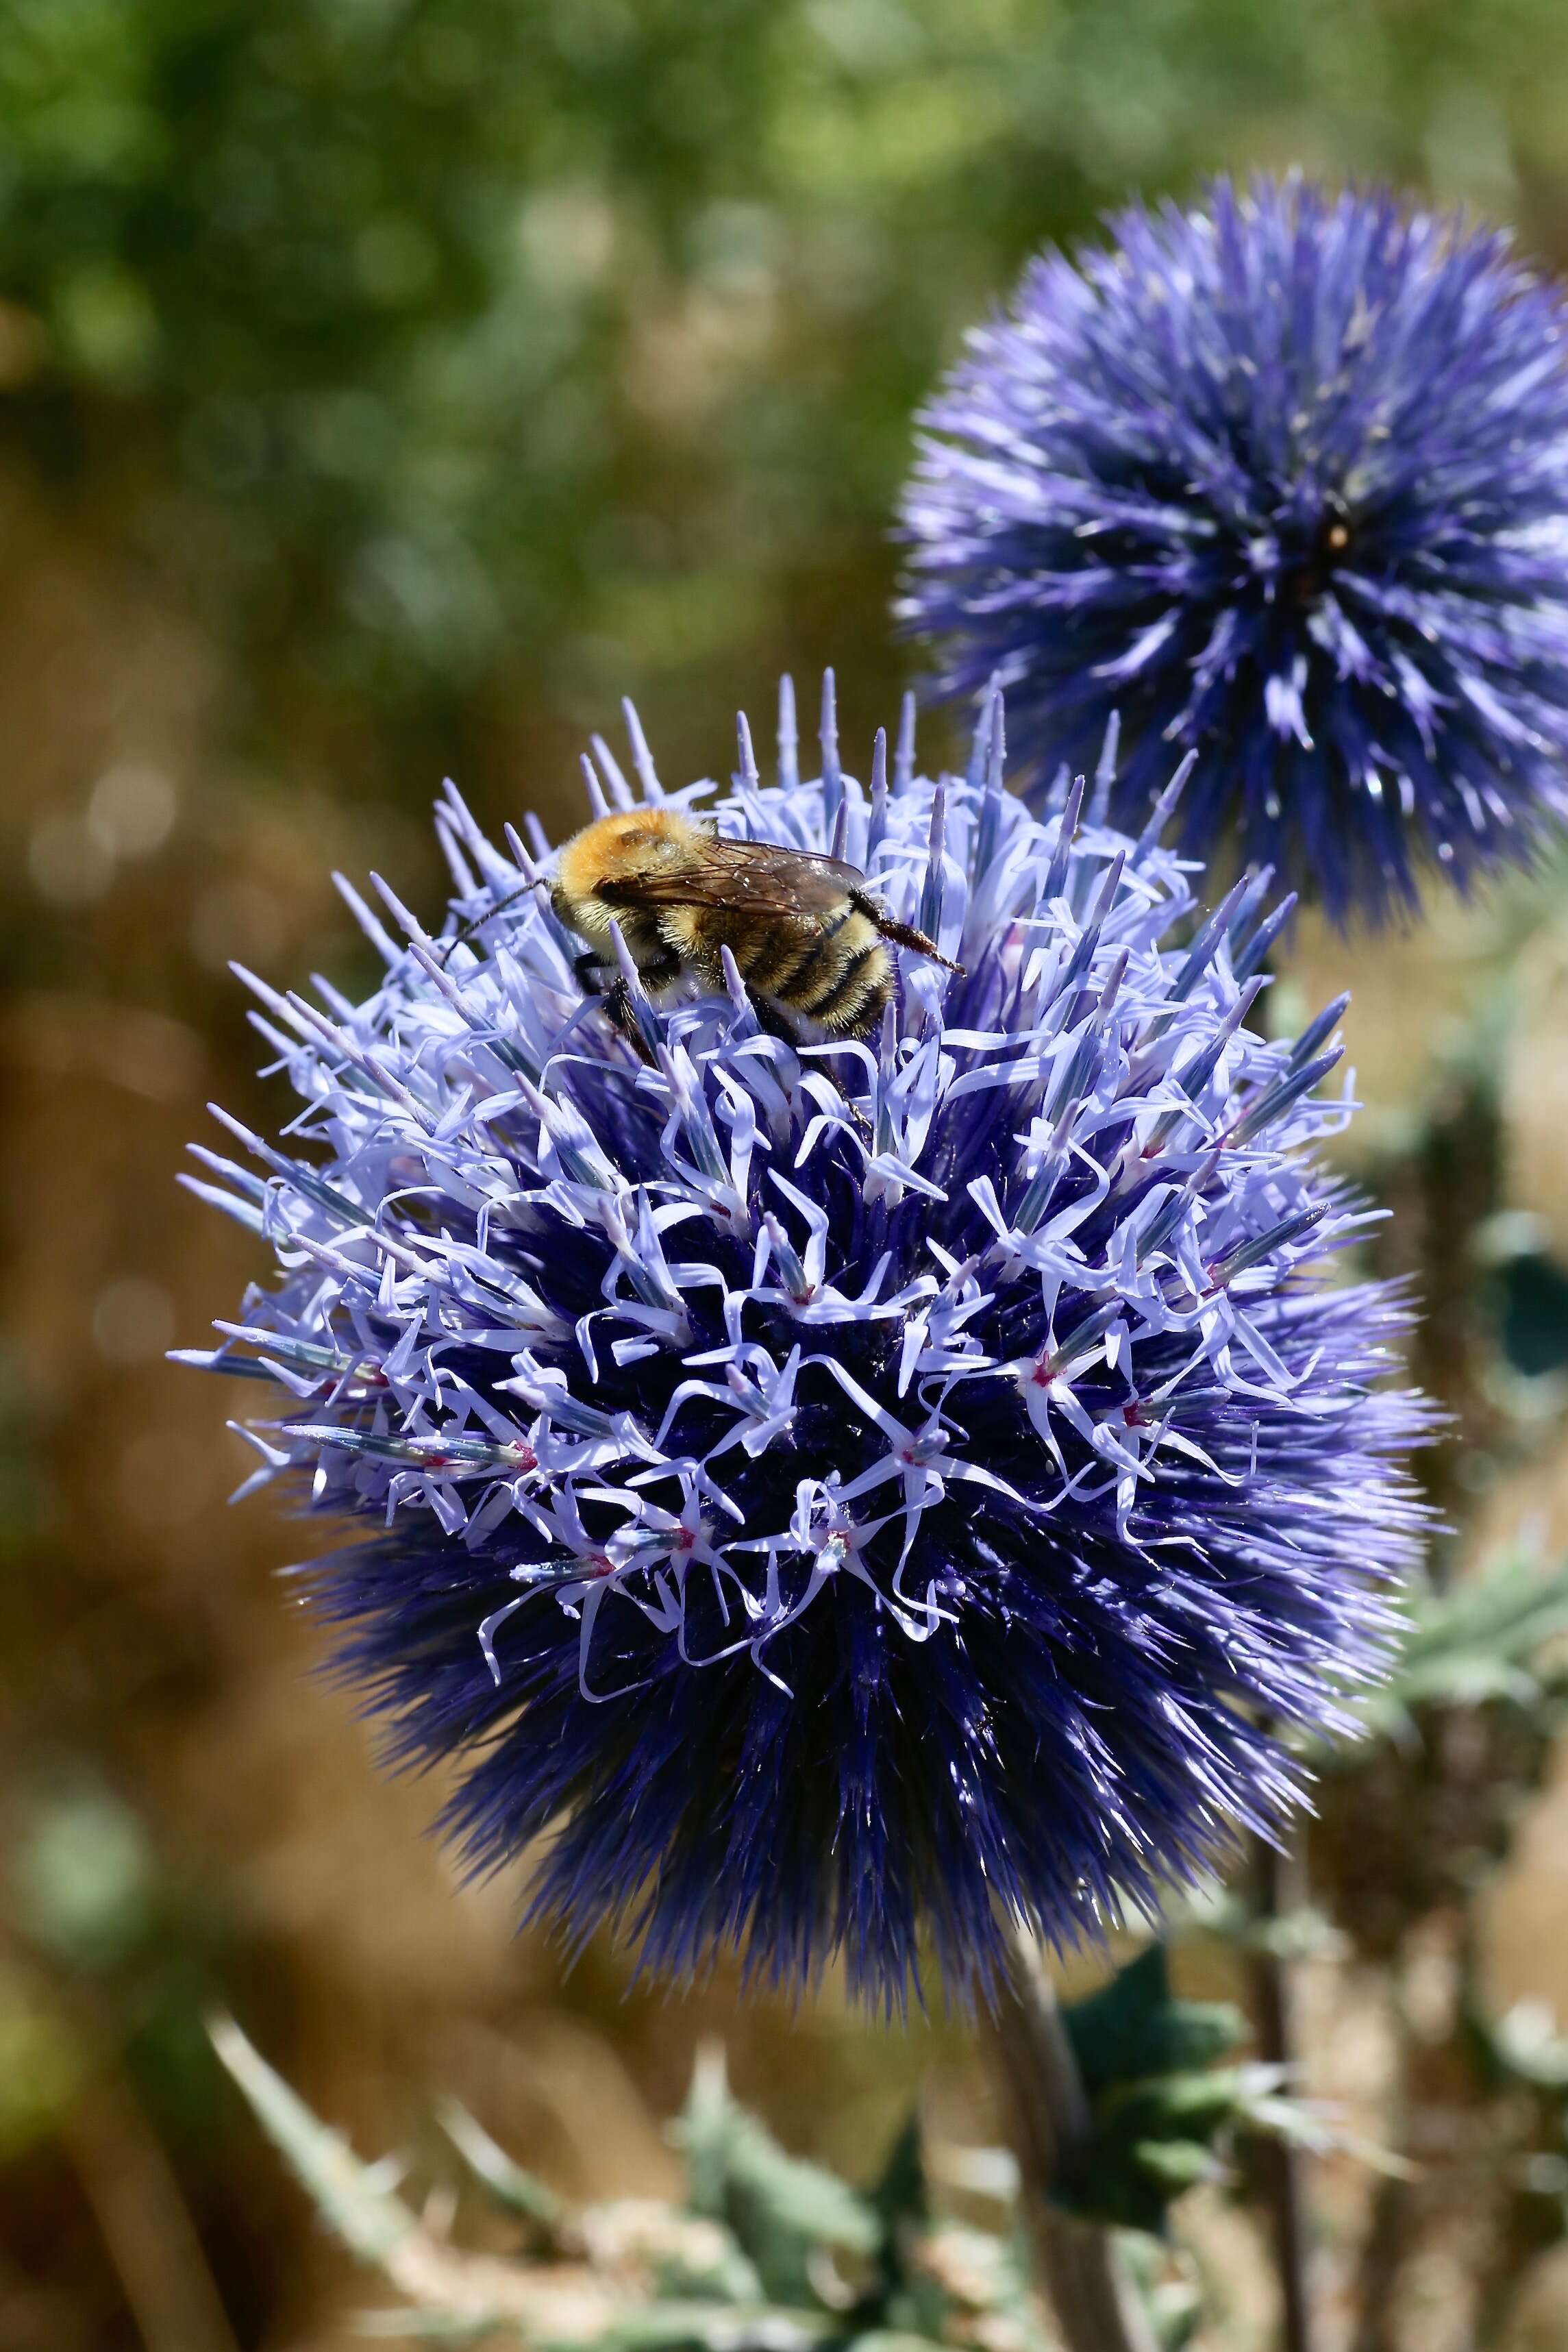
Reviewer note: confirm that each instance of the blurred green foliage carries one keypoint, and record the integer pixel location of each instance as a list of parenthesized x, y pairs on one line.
[(131, 1958), (783, 2211), (451, 350), (761, 2251)]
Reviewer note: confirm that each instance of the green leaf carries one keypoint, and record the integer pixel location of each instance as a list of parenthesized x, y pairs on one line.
[(1264, 2110), (905, 2298), (781, 2210), (82, 1879), (1175, 2305), (1526, 2045), (42, 2065), (1135, 2027), (696, 2259), (490, 2163), (889, 2339), (424, 2326), (901, 2196), (1479, 1641), (371, 2222), (460, 2296), (1180, 2164), (1161, 2104), (720, 2327)]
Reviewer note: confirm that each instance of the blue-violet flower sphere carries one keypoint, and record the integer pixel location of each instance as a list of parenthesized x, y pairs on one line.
[(1284, 481), (852, 1494)]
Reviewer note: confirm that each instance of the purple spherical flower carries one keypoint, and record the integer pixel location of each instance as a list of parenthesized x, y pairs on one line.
[(851, 1494), (1284, 481)]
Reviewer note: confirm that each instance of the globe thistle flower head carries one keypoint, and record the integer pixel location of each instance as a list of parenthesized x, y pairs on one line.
[(847, 1493), (1284, 481)]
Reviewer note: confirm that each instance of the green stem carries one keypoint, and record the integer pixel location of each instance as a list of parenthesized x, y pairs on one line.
[(1042, 2097), (1280, 1891)]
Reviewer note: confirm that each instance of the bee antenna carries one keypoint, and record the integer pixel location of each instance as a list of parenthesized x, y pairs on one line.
[(477, 923)]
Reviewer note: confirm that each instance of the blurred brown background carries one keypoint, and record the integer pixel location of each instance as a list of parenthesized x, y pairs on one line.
[(386, 386)]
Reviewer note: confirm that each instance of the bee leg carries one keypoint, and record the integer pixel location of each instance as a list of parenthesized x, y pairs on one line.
[(776, 1024), (618, 1011), (589, 970), (658, 973)]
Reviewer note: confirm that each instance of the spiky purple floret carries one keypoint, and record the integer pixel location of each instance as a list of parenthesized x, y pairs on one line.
[(853, 1494), (1284, 480)]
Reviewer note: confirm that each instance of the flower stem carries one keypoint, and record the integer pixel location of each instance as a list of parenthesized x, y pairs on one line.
[(1042, 2097), (1281, 1890)]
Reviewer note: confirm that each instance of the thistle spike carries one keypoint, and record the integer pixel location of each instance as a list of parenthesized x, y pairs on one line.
[(748, 778), (789, 736), (641, 758), (903, 756), (596, 800), (876, 823), (832, 774)]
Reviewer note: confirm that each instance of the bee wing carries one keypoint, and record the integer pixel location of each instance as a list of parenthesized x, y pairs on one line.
[(746, 877)]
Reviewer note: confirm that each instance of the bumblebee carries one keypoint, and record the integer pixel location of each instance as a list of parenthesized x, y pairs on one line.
[(807, 938)]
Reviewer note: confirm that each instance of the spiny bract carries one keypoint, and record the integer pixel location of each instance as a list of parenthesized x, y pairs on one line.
[(848, 1494), (1284, 480)]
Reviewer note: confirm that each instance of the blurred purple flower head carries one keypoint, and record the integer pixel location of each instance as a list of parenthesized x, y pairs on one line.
[(1284, 481), (846, 1494)]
